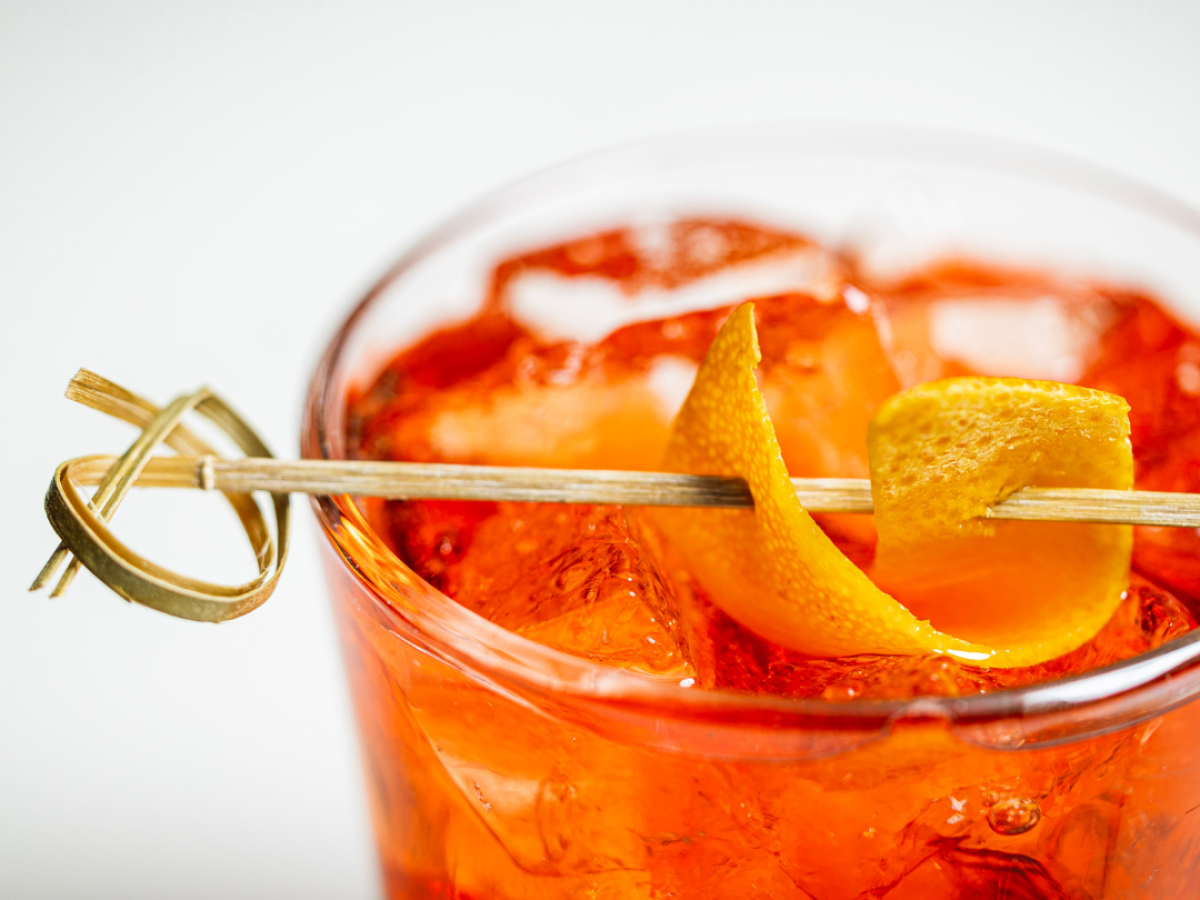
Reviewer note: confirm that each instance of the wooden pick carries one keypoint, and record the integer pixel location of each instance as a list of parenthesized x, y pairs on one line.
[(81, 523), (443, 481)]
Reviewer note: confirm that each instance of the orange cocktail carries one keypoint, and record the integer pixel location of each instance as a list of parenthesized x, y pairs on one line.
[(552, 703)]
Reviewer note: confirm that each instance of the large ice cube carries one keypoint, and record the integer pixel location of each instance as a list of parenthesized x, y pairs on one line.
[(584, 290), (957, 319), (577, 579)]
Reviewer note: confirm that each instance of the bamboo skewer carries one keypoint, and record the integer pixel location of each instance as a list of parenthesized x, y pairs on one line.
[(440, 481), (82, 523)]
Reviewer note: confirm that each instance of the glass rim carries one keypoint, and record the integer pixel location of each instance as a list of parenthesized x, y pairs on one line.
[(481, 646)]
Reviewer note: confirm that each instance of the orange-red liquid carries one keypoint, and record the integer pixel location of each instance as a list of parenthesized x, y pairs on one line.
[(476, 796)]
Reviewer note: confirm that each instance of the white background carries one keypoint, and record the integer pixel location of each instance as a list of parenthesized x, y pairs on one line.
[(195, 193)]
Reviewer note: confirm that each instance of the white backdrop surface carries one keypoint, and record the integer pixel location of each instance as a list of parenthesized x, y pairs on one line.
[(196, 192)]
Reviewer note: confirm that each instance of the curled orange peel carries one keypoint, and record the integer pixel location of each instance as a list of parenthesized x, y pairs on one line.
[(942, 453), (775, 571)]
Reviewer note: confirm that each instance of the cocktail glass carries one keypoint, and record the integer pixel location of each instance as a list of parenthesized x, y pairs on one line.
[(497, 767)]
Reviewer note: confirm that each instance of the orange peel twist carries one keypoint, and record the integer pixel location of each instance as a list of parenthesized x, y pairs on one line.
[(775, 570)]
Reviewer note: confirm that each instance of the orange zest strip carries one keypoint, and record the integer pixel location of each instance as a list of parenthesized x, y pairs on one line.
[(942, 453), (774, 569), (998, 594)]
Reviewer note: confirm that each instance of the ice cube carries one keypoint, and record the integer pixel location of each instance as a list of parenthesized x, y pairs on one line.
[(958, 319), (728, 655), (594, 423), (574, 578), (1044, 338), (584, 290), (823, 375), (1152, 361)]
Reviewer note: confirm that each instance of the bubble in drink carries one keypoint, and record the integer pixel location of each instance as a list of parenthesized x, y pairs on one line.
[(1014, 815)]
